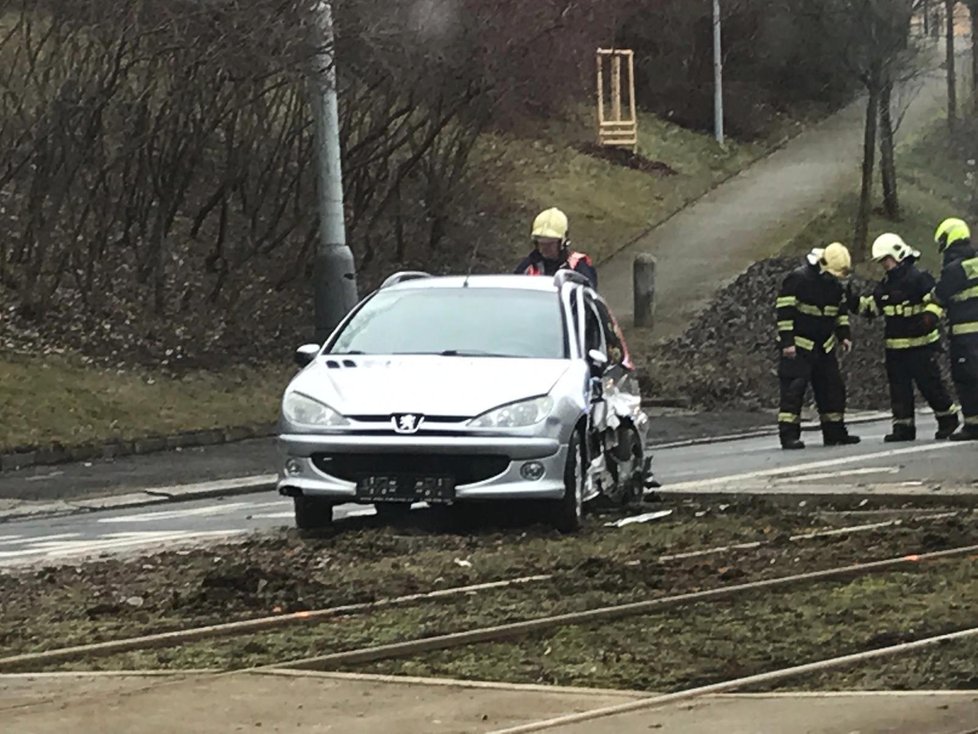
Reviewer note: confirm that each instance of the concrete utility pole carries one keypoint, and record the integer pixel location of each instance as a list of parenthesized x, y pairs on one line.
[(717, 73), (335, 270)]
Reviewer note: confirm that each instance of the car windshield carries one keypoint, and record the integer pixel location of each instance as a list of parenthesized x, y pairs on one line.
[(463, 322)]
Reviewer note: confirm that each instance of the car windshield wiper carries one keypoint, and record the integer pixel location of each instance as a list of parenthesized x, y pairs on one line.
[(345, 354), (475, 353)]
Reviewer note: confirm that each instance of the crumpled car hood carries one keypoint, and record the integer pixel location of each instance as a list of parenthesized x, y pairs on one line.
[(429, 385)]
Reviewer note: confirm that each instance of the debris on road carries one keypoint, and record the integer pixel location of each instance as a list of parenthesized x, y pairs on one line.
[(634, 519)]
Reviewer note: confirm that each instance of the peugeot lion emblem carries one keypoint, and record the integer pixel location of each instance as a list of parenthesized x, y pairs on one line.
[(406, 422)]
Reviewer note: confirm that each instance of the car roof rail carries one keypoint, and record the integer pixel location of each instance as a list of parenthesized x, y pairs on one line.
[(564, 275), (404, 276)]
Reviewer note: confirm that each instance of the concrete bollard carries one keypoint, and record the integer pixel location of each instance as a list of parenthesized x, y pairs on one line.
[(643, 283)]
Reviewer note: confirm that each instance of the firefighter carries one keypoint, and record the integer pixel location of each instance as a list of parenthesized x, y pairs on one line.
[(912, 338), (551, 249), (957, 292), (813, 321)]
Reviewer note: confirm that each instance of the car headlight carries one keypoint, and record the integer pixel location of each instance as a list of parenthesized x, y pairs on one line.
[(515, 415), (303, 411)]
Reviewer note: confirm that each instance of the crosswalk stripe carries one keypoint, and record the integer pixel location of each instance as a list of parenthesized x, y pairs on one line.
[(114, 542), (21, 540), (216, 509)]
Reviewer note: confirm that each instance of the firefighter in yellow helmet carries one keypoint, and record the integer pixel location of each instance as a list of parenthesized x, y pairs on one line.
[(551, 249), (957, 292), (813, 322), (912, 338)]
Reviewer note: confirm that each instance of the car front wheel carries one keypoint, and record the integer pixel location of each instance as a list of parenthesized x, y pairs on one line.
[(567, 513), (312, 513)]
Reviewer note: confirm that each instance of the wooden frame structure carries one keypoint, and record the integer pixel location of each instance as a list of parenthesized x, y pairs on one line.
[(614, 130)]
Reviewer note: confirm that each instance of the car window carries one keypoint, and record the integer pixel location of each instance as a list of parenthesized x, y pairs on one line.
[(459, 321), (593, 334), (616, 342)]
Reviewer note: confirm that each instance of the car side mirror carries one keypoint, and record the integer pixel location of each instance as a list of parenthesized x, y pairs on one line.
[(305, 354), (598, 361)]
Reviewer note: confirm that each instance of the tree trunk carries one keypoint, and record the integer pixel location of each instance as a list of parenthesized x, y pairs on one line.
[(891, 202), (973, 10), (869, 165), (952, 81)]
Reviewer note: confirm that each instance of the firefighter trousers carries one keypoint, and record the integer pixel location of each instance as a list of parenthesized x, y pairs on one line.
[(921, 367), (821, 370), (964, 372)]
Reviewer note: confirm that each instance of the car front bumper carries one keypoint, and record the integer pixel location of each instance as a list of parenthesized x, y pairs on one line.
[(304, 471)]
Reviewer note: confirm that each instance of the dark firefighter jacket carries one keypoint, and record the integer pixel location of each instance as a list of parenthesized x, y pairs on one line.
[(813, 313), (902, 297), (957, 290), (536, 264)]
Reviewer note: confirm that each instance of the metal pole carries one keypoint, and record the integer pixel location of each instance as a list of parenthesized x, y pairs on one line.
[(717, 72), (643, 289), (335, 269)]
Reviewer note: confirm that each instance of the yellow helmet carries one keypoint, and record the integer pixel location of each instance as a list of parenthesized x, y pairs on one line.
[(951, 231), (836, 260), (550, 224)]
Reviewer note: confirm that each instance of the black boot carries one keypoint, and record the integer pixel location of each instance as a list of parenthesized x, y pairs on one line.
[(835, 434), (790, 434), (901, 433), (968, 433), (946, 426)]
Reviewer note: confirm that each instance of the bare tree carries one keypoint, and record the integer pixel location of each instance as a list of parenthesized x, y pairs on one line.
[(897, 68), (973, 11), (952, 77), (874, 41)]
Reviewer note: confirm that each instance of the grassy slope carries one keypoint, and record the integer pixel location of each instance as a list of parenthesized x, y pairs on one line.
[(58, 400), (609, 205), (47, 400)]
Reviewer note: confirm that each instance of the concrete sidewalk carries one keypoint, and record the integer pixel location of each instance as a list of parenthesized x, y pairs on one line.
[(753, 215), (217, 704)]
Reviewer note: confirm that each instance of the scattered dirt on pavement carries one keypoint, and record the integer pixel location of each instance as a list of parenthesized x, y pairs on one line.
[(281, 571), (602, 566)]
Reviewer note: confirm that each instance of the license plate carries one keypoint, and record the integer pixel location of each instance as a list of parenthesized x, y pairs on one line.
[(406, 489)]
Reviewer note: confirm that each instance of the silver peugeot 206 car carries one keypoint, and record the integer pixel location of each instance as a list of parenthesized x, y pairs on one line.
[(451, 390)]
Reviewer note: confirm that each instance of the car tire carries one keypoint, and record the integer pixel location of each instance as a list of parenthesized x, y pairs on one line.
[(567, 513), (312, 513), (628, 459), (392, 511)]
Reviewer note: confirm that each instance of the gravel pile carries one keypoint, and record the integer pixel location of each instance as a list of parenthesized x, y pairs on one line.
[(729, 355)]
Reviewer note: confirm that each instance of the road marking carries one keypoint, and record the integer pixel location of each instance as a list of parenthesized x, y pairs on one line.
[(846, 473), (216, 509), (361, 512), (274, 516), (41, 477), (825, 463), (19, 539), (114, 542)]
